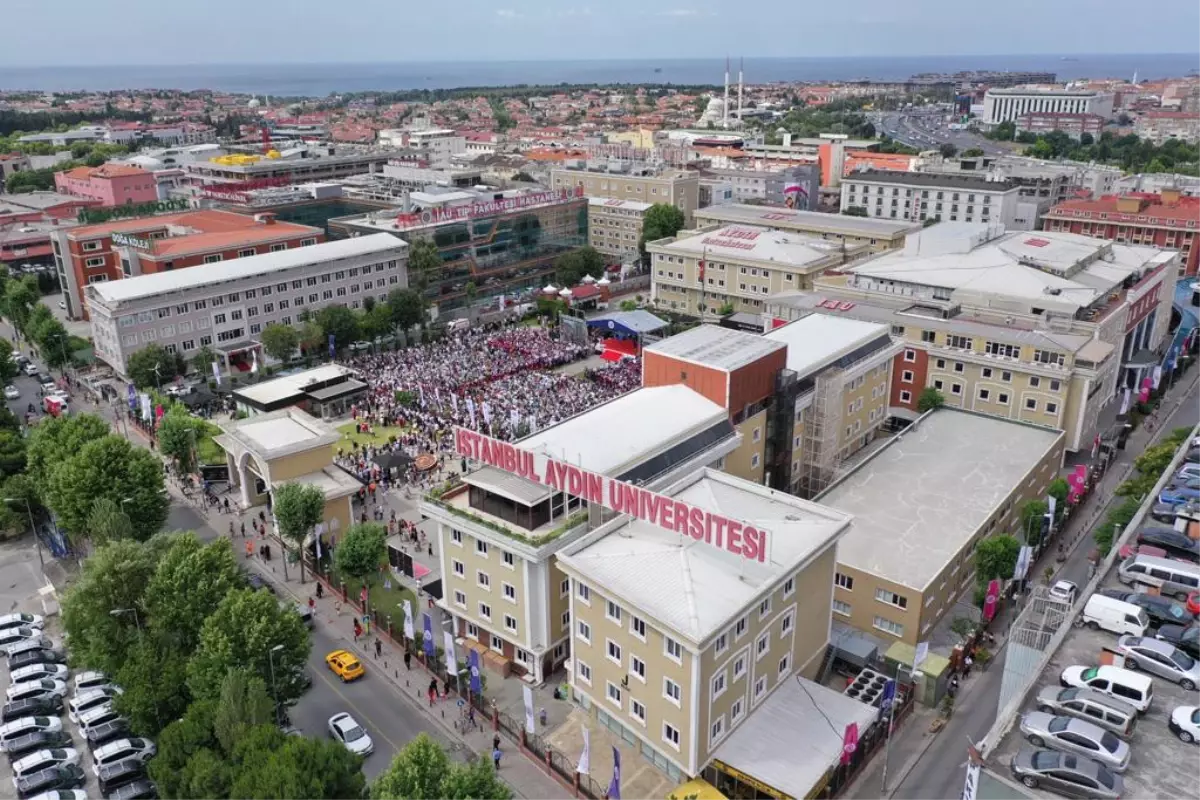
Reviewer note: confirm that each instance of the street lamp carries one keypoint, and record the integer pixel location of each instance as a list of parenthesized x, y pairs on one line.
[(116, 612), (274, 690), (32, 527)]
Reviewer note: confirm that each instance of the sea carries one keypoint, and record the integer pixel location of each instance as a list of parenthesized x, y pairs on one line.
[(322, 80)]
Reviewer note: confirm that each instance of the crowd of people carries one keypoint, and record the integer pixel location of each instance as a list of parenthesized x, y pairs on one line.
[(500, 383)]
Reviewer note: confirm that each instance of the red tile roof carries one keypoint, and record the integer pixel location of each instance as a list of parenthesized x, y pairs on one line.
[(1186, 208)]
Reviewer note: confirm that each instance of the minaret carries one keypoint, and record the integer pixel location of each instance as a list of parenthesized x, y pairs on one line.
[(741, 64), (725, 110)]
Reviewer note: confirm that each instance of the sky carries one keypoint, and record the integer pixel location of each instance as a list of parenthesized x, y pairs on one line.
[(137, 32)]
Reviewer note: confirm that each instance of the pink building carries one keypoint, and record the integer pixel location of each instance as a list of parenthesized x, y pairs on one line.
[(111, 184)]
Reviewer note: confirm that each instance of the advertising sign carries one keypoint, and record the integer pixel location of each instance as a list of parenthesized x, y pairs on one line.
[(993, 597), (435, 216), (735, 536), (125, 240)]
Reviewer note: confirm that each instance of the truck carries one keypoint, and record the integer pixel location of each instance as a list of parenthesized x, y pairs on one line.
[(55, 405)]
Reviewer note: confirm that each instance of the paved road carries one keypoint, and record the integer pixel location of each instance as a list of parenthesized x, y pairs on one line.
[(939, 773), (923, 131)]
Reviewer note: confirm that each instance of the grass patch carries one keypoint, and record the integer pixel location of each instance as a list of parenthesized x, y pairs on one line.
[(384, 601), (379, 435)]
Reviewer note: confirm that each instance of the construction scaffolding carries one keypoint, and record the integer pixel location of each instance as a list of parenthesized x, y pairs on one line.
[(819, 442)]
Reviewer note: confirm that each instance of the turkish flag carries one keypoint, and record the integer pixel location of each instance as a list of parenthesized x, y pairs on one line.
[(849, 742)]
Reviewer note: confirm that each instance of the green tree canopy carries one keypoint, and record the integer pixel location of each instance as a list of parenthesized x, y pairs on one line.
[(106, 522), (12, 453), (300, 767), (280, 341), (154, 677), (406, 307), (569, 268), (948, 150), (361, 550), (189, 583), (240, 634), (996, 557), (110, 467), (973, 152), (1030, 521), (20, 297), (203, 360), (660, 221), (153, 367), (422, 769), (424, 261), (929, 399), (298, 508), (56, 439), (243, 704), (8, 367), (340, 323), (179, 435), (178, 743), (854, 211)]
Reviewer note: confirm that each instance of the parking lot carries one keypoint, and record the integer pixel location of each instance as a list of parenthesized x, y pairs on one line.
[(1161, 765)]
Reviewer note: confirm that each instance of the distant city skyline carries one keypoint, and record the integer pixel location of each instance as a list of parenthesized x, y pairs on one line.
[(234, 32)]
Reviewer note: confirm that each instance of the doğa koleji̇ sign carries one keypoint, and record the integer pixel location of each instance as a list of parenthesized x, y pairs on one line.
[(737, 537)]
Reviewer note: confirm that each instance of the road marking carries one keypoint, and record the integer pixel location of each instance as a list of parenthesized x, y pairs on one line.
[(323, 676)]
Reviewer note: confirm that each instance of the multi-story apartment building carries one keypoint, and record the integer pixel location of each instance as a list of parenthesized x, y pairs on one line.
[(111, 184), (921, 504), (620, 181), (1169, 220), (1159, 126), (615, 226), (921, 196), (500, 534), (1042, 328), (700, 272), (1006, 105), (124, 248), (675, 641), (1074, 125), (877, 235), (1037, 180), (227, 304), (794, 187)]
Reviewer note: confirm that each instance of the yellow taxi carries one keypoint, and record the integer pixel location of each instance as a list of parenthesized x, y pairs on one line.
[(345, 665)]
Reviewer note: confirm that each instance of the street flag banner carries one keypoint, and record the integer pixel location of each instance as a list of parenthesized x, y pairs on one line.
[(132, 393), (408, 620), (421, 391), (451, 655), (147, 411), (585, 758), (476, 679), (487, 412), (1157, 375), (530, 728), (614, 788), (993, 597), (1022, 566), (922, 654), (430, 651), (1052, 505), (514, 419), (889, 697), (454, 402), (1144, 390), (216, 366), (849, 742), (974, 762), (332, 346), (471, 411), (1126, 400)]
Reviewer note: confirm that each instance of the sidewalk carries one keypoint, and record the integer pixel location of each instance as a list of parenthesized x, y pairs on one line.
[(527, 777)]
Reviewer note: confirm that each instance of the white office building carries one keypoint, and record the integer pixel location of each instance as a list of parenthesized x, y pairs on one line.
[(226, 305), (920, 196), (1006, 105)]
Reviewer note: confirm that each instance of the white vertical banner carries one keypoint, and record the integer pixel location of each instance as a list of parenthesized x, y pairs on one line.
[(585, 758), (1126, 399), (253, 362), (1022, 565), (147, 411), (454, 402), (451, 655), (216, 368), (971, 786), (921, 655), (408, 619), (530, 728), (1157, 375)]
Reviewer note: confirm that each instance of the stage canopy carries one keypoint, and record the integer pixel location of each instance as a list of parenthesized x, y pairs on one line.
[(628, 323)]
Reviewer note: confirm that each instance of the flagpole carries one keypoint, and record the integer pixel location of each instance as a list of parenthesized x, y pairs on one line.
[(887, 745)]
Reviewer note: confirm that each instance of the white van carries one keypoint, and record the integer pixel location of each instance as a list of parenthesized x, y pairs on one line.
[(1172, 578), (1132, 687), (1115, 616), (456, 325)]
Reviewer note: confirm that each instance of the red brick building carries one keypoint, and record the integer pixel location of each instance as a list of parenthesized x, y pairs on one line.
[(126, 248), (1169, 220)]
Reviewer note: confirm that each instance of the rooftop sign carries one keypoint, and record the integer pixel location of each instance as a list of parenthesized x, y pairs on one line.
[(103, 214), (434, 216), (125, 240), (737, 537)]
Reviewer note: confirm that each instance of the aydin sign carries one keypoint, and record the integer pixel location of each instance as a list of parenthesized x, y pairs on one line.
[(737, 537)]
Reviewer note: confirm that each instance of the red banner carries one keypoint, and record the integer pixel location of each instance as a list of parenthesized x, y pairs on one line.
[(849, 742), (993, 597)]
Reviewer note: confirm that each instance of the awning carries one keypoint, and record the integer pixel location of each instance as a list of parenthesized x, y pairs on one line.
[(696, 789), (229, 348), (629, 323)]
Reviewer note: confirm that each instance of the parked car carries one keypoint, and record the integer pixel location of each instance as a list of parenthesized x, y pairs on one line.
[(1086, 704), (24, 644), (46, 707), (26, 725), (37, 672), (346, 730), (22, 620), (1160, 610), (100, 735), (256, 582), (44, 759), (120, 773), (1175, 543), (96, 717), (1178, 496), (36, 689), (11, 392), (122, 750), (140, 789), (30, 657), (1193, 603), (92, 698), (33, 742), (67, 776), (1065, 591), (62, 794), (1190, 471), (1160, 658), (30, 369), (1185, 723), (1123, 684), (1068, 775), (90, 679), (14, 640), (1076, 736), (1183, 638)]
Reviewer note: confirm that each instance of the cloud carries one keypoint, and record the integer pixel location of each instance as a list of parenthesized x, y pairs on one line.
[(507, 13), (679, 12)]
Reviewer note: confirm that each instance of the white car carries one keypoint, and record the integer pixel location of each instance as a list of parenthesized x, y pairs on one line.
[(90, 679), (28, 639), (1185, 723), (1065, 591), (36, 672), (31, 369), (92, 698), (346, 730), (44, 759), (22, 620), (36, 689), (26, 725), (11, 392)]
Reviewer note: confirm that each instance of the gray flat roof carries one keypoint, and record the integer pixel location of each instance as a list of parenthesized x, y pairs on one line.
[(817, 340), (713, 346), (924, 495), (144, 286), (286, 386), (788, 219), (940, 180)]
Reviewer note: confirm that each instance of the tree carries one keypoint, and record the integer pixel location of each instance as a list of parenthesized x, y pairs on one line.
[(243, 704), (1086, 139), (661, 220), (407, 308), (54, 343), (114, 577), (55, 440), (178, 744), (154, 677), (241, 634), (280, 341), (996, 557), (854, 211), (948, 150), (299, 767), (202, 361), (110, 467), (8, 367), (12, 453), (1059, 489), (569, 268), (178, 435), (973, 152), (107, 522), (375, 322), (312, 338), (153, 366), (206, 774), (361, 550), (422, 769), (340, 323), (929, 399), (423, 261), (189, 583), (298, 509), (20, 296), (1030, 520)]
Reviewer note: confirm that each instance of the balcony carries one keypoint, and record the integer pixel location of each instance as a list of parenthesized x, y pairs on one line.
[(454, 497)]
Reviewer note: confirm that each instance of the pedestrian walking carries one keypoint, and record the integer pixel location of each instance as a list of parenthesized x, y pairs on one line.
[(378, 647), (432, 691), (496, 758), (496, 741), (243, 530), (357, 630), (249, 549), (231, 529), (312, 605), (407, 660)]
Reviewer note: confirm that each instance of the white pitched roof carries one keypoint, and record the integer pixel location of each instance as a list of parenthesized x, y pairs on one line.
[(740, 242), (819, 339)]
